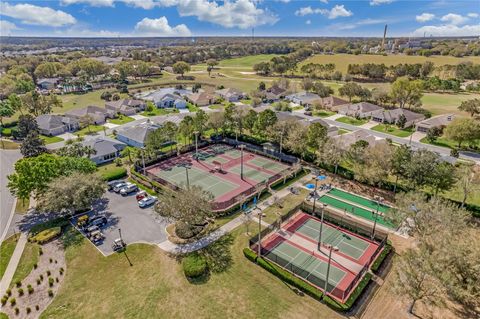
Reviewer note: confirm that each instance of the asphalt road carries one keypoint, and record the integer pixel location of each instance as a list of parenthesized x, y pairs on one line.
[(7, 161)]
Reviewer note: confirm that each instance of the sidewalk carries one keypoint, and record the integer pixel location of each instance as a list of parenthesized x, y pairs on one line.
[(12, 265)]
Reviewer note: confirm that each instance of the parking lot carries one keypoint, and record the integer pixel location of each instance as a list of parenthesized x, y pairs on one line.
[(137, 225)]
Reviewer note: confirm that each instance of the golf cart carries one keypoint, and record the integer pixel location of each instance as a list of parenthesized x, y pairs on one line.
[(97, 237), (82, 221), (118, 244)]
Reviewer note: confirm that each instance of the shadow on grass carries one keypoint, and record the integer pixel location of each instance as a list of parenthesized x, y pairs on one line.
[(218, 254), (71, 237)]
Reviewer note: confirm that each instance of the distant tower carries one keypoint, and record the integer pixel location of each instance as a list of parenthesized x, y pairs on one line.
[(384, 35), (253, 33)]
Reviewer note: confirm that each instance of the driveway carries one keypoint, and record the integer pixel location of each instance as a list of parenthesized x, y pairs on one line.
[(137, 225), (369, 125), (7, 162)]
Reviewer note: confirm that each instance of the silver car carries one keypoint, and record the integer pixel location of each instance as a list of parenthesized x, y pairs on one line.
[(119, 186), (147, 201)]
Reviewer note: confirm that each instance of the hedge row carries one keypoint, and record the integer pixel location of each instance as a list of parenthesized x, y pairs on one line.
[(114, 174), (335, 305), (380, 258), (57, 222), (284, 275), (46, 235), (194, 265)]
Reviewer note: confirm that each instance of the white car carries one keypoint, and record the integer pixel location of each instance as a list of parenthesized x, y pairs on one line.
[(119, 186), (147, 201), (129, 188)]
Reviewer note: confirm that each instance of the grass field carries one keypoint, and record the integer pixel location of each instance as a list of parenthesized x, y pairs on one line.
[(91, 129), (156, 111), (28, 259), (51, 139), (108, 170), (155, 287), (122, 119), (438, 103), (243, 62), (6, 252), (352, 120), (343, 60), (324, 113), (442, 141), (393, 130)]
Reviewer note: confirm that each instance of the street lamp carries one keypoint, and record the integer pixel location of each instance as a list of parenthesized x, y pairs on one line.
[(259, 232), (321, 228), (379, 201), (196, 144), (187, 167), (143, 159), (332, 248), (241, 160), (317, 178)]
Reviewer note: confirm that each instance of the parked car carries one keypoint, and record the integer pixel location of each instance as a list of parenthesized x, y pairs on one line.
[(91, 229), (147, 201), (140, 195), (119, 186), (97, 237), (82, 221), (98, 221), (118, 244), (129, 188), (111, 185)]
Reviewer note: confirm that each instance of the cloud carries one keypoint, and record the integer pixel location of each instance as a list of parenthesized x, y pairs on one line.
[(448, 30), (360, 23), (379, 2), (308, 22), (6, 27), (160, 28), (324, 1), (335, 12), (230, 14), (473, 15), (453, 18), (144, 4), (35, 15), (424, 17)]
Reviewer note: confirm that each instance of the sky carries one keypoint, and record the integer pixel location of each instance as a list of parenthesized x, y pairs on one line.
[(190, 18)]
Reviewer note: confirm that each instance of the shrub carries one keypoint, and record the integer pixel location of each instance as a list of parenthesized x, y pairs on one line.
[(50, 260), (41, 277), (50, 292), (40, 251), (39, 281), (51, 281), (380, 258), (9, 292), (17, 311), (37, 307), (49, 272), (18, 283), (186, 231), (284, 275), (13, 301), (194, 265), (20, 291), (30, 289), (35, 266), (47, 235), (56, 279), (28, 309), (4, 300)]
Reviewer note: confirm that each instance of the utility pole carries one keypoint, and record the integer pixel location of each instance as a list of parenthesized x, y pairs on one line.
[(196, 144), (241, 160), (328, 268), (143, 160), (321, 228), (260, 233)]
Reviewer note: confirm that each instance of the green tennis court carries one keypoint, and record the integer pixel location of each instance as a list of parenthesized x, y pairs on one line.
[(178, 176), (305, 265), (352, 246), (355, 210), (267, 164), (368, 203), (251, 173)]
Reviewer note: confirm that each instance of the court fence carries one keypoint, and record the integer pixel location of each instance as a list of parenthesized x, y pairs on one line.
[(341, 294), (230, 203)]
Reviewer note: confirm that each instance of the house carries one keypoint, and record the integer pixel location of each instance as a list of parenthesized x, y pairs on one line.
[(287, 116), (171, 100), (436, 121), (98, 115), (274, 94), (51, 125), (348, 139), (136, 136), (126, 106), (106, 149), (331, 130), (359, 110), (47, 83), (392, 116), (333, 103), (306, 99), (201, 99), (231, 94)]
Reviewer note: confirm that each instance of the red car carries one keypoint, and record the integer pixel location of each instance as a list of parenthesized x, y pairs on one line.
[(140, 195)]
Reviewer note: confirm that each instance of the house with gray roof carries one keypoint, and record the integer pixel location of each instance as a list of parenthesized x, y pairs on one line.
[(333, 103), (231, 94), (359, 110), (51, 124), (126, 106), (136, 135), (304, 98), (98, 114), (392, 116), (48, 83), (106, 149), (435, 121), (346, 140)]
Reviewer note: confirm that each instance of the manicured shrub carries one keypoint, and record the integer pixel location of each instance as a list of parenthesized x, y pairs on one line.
[(46, 235), (20, 291), (13, 301), (194, 265), (9, 292), (39, 281), (28, 309), (30, 289), (4, 300), (40, 251), (56, 279), (37, 307), (51, 281), (50, 292), (18, 283), (50, 260), (380, 258), (49, 272), (41, 277), (35, 266), (17, 311)]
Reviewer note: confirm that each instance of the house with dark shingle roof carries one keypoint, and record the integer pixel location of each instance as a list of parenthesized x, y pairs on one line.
[(201, 98), (51, 124), (106, 149), (231, 94), (392, 116), (435, 121), (126, 106), (333, 103), (304, 98), (136, 135), (359, 110), (98, 114), (348, 139)]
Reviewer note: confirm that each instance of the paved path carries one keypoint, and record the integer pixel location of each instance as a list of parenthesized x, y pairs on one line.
[(7, 201), (13, 263)]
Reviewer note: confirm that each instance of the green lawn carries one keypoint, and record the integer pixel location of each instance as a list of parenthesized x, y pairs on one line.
[(352, 120), (217, 107), (248, 102), (297, 108), (122, 119), (286, 204), (192, 108), (244, 62), (6, 252), (323, 113), (156, 112), (442, 141), (393, 130), (155, 287), (22, 205), (441, 103), (28, 259), (51, 139), (342, 131), (91, 129), (110, 171)]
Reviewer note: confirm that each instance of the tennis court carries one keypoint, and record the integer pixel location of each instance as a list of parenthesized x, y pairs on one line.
[(217, 168), (356, 205), (295, 247)]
